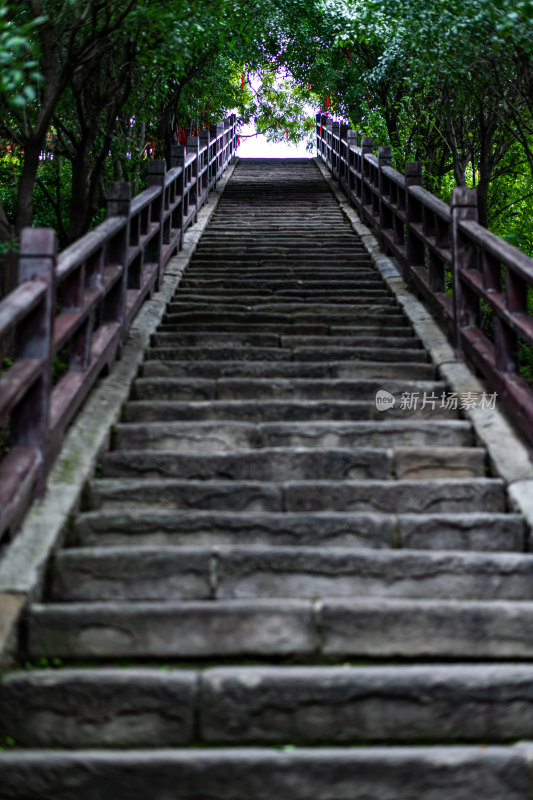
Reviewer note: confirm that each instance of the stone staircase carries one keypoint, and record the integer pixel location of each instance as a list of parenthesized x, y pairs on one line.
[(276, 590)]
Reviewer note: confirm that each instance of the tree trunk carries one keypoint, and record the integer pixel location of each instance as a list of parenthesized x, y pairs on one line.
[(24, 213), (78, 205)]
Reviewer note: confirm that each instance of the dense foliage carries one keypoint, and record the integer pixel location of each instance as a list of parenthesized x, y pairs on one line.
[(90, 89)]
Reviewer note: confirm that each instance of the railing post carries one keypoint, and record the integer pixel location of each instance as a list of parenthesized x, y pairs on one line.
[(193, 148), (415, 250), (385, 214), (367, 148), (29, 421), (463, 207), (329, 143), (335, 149), (351, 137), (343, 155), (156, 177), (114, 304), (233, 119), (177, 159), (205, 142)]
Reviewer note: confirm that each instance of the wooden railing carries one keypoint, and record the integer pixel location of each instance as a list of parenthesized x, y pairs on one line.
[(80, 304), (479, 287)]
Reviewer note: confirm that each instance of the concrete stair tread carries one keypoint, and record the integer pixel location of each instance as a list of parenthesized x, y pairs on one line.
[(254, 705), (222, 435), (379, 773), (229, 352), (413, 374), (263, 382), (279, 463), (324, 628), (237, 572), (446, 531)]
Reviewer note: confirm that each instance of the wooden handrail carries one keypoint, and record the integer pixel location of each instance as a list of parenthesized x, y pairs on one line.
[(447, 257), (81, 303)]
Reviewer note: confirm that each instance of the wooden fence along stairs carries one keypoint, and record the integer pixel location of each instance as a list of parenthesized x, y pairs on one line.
[(275, 588)]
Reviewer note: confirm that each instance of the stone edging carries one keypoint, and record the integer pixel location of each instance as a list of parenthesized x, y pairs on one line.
[(23, 564), (509, 455)]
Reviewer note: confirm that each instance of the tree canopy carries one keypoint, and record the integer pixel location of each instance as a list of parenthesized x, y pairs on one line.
[(90, 89)]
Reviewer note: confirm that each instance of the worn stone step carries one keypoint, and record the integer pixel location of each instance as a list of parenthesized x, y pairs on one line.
[(356, 705), (332, 311), (370, 317), (269, 411), (379, 773), (252, 297), (270, 464), (253, 705), (265, 271), (202, 573), (290, 330), (280, 251), (193, 386), (227, 352), (224, 352), (269, 329), (397, 378), (464, 531), (389, 341), (401, 496), (326, 628), (215, 338), (250, 339), (339, 236), (231, 435), (353, 284)]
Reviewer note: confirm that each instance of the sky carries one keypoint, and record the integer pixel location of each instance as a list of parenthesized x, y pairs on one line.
[(258, 147)]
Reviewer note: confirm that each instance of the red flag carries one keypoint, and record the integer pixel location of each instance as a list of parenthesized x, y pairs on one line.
[(368, 98), (327, 101), (242, 81), (287, 133), (238, 142)]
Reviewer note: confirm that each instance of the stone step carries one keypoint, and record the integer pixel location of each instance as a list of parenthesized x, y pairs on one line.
[(379, 773), (228, 573), (227, 352), (341, 236), (291, 330), (270, 411), (332, 311), (208, 436), (273, 285), (400, 496), (255, 296), (251, 339), (329, 629), (464, 531), (296, 270), (214, 338), (269, 386), (283, 464), (368, 317), (257, 705)]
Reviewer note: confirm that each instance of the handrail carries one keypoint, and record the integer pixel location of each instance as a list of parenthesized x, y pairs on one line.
[(466, 274), (82, 302)]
